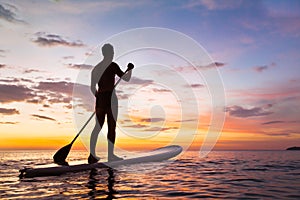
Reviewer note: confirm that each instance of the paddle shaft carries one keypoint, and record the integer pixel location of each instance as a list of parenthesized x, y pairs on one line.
[(86, 123)]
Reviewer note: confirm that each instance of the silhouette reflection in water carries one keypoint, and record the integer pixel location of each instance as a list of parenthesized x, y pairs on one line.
[(98, 187)]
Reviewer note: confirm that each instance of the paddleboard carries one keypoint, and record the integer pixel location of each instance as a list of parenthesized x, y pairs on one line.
[(155, 155)]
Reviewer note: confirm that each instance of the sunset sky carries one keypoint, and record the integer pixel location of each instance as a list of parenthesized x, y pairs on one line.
[(47, 45)]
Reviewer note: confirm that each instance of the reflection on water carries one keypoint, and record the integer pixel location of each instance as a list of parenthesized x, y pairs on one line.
[(94, 183), (231, 174)]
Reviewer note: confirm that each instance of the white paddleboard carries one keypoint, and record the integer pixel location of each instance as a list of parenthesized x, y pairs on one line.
[(156, 155)]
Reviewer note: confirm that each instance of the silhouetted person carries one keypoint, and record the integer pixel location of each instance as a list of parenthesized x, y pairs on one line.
[(103, 75)]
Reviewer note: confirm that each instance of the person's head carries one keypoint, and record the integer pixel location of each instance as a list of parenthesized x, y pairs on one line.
[(108, 51)]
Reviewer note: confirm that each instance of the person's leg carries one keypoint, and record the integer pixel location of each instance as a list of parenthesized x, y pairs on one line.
[(112, 115), (100, 113), (94, 136)]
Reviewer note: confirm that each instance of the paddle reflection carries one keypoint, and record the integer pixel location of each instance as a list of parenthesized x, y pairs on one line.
[(99, 187)]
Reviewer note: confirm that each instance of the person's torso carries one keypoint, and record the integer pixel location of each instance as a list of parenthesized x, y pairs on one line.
[(107, 79)]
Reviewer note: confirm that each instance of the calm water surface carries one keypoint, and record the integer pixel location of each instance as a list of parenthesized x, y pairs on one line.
[(222, 174)]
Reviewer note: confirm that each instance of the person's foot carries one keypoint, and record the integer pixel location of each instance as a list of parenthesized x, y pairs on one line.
[(114, 158), (63, 163), (92, 159)]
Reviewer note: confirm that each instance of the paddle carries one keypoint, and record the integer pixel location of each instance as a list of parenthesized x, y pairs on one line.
[(61, 155)]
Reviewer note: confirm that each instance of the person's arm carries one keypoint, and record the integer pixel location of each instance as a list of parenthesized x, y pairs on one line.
[(125, 76), (93, 83)]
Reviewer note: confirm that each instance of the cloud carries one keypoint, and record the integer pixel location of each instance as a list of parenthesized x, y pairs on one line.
[(26, 80), (69, 106), (43, 117), (279, 122), (273, 122), (68, 57), (282, 20), (9, 111), (138, 81), (122, 96), (136, 126), (214, 4), (160, 128), (263, 67), (2, 53), (90, 7), (11, 93), (260, 68), (281, 133), (9, 123), (60, 87), (154, 119), (8, 80), (28, 71), (35, 101), (192, 68), (187, 120), (213, 65), (195, 85), (282, 90), (160, 90), (50, 40), (59, 99), (80, 66), (238, 111), (15, 80), (7, 13), (43, 92)]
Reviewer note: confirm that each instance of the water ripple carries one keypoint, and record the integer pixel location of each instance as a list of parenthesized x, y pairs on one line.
[(221, 175)]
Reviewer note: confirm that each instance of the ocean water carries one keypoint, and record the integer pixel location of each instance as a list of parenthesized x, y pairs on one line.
[(220, 175)]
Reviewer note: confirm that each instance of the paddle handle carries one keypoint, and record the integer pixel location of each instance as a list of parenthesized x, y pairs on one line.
[(86, 123)]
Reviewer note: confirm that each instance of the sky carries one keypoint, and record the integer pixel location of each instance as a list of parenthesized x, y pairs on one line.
[(48, 46)]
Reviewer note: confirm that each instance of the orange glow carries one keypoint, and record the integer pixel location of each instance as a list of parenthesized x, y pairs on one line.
[(237, 134), (37, 143)]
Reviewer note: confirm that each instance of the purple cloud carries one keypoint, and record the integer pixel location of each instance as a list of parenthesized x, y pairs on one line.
[(45, 39), (279, 122), (260, 68), (273, 122), (11, 93), (9, 111), (192, 68), (60, 87), (138, 81), (281, 133), (43, 117), (80, 66), (238, 111)]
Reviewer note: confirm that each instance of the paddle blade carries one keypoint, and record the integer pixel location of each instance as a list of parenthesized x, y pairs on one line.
[(61, 155)]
